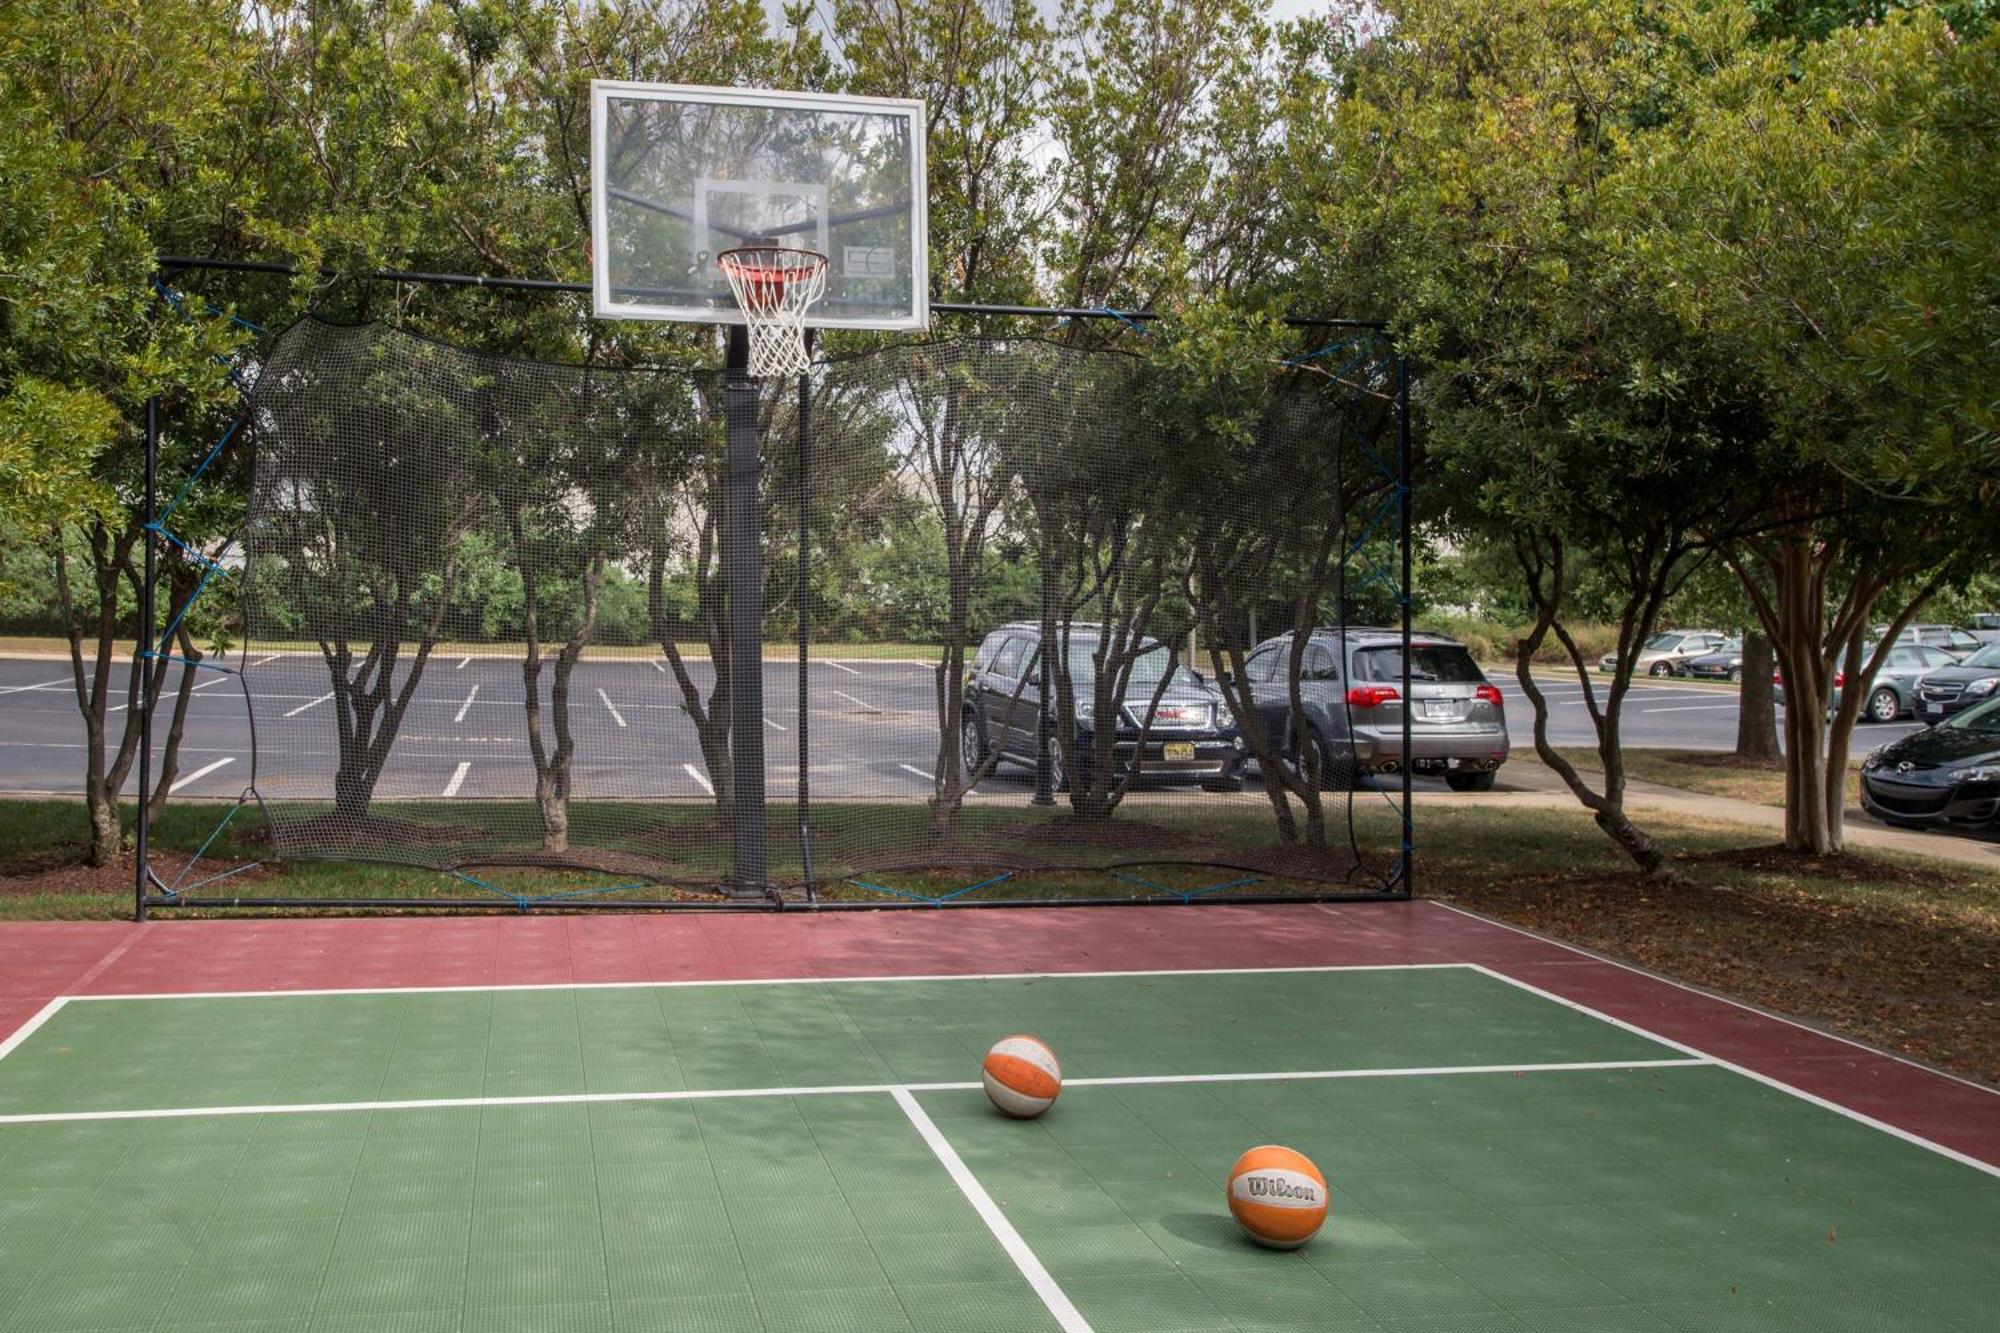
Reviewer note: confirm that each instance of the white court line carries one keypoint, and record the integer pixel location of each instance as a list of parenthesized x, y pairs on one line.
[(312, 704), (616, 716), (27, 1029), (1894, 1131), (808, 1090), (839, 666), (776, 725), (912, 768), (201, 772), (700, 777), (507, 987), (458, 777), (851, 699), (45, 685), (1067, 1316), (462, 661), (1711, 995), (460, 715)]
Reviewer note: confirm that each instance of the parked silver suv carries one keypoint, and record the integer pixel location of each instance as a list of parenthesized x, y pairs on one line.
[(1350, 694)]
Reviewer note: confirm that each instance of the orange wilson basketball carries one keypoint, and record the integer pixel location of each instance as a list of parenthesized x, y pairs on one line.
[(1021, 1075), (1278, 1196)]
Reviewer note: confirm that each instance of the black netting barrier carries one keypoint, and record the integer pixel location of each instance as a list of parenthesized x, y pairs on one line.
[(1074, 630)]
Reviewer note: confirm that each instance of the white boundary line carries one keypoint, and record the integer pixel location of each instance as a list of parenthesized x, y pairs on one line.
[(458, 777), (44, 685), (1711, 995), (27, 1029), (772, 981), (1894, 1131), (837, 666), (315, 703), (815, 1090), (616, 716), (1067, 1316), (700, 778), (858, 703), (912, 768), (459, 716)]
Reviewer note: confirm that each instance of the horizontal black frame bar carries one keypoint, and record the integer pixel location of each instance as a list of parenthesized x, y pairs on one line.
[(727, 905), (173, 263)]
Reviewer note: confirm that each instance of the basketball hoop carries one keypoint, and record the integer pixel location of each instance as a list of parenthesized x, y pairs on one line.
[(775, 286)]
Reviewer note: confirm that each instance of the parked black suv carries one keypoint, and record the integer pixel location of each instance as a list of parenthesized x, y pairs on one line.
[(1351, 692), (1192, 737)]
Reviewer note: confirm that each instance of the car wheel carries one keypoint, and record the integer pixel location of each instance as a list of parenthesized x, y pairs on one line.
[(1463, 781), (1661, 669), (1312, 755), (1736, 675), (1058, 771), (1884, 706), (971, 744)]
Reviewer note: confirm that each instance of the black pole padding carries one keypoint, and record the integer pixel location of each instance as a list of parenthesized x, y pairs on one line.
[(1406, 524), (142, 661), (744, 556), (804, 598)]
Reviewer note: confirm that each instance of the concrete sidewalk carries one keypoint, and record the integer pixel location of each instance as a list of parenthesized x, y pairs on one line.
[(1526, 784)]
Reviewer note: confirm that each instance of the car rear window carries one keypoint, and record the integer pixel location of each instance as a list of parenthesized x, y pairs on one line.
[(1428, 661)]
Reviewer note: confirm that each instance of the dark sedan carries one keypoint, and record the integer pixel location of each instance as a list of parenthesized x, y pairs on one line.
[(1725, 663), (1946, 776), (1953, 689)]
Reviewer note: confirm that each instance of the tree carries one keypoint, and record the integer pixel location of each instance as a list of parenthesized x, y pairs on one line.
[(1846, 259)]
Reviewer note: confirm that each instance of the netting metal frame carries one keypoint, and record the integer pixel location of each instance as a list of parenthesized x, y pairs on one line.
[(153, 892)]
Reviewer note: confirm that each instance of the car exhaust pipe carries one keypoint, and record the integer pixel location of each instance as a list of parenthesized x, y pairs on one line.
[(1390, 766)]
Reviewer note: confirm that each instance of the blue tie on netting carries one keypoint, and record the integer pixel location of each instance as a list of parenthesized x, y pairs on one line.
[(937, 899), (523, 901)]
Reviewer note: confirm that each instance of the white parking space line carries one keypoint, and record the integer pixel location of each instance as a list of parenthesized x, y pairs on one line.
[(267, 659), (659, 666), (462, 661), (458, 777), (460, 715), (859, 703), (700, 778), (45, 685), (912, 768), (1693, 708), (314, 703), (616, 716), (201, 772), (217, 681), (776, 726), (840, 666)]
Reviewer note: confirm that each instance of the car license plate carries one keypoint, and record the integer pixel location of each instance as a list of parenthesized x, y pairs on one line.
[(1178, 752), (1443, 708), (1933, 708)]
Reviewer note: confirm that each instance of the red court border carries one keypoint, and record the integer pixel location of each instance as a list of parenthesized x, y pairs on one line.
[(40, 961)]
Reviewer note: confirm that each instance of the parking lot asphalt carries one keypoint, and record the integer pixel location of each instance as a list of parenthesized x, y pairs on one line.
[(872, 723)]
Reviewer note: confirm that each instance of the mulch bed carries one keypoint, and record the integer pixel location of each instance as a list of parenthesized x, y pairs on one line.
[(1925, 983)]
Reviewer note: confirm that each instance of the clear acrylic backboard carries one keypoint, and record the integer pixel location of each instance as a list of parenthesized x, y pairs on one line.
[(680, 174)]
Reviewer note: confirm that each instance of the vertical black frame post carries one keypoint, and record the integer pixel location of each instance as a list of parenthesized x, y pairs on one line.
[(751, 870), (142, 663), (1406, 525), (804, 597)]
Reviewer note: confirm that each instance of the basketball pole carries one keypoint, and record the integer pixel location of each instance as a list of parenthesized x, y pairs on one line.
[(751, 872)]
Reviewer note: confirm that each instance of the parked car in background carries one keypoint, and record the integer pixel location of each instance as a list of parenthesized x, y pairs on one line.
[(1662, 654), (1942, 776), (1725, 663), (1960, 686), (1192, 737), (1959, 643), (1894, 691), (1985, 627), (1350, 691)]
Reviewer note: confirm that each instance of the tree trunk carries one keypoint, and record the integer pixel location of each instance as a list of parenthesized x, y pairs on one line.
[(1757, 708)]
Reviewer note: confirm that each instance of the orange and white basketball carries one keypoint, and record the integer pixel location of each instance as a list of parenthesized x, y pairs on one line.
[(1278, 1196), (1021, 1075)]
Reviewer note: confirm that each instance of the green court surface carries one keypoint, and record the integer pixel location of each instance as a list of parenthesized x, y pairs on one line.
[(818, 1156)]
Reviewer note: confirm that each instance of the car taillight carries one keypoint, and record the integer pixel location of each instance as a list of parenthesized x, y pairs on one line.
[(1839, 679), (1368, 696), (1490, 695)]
